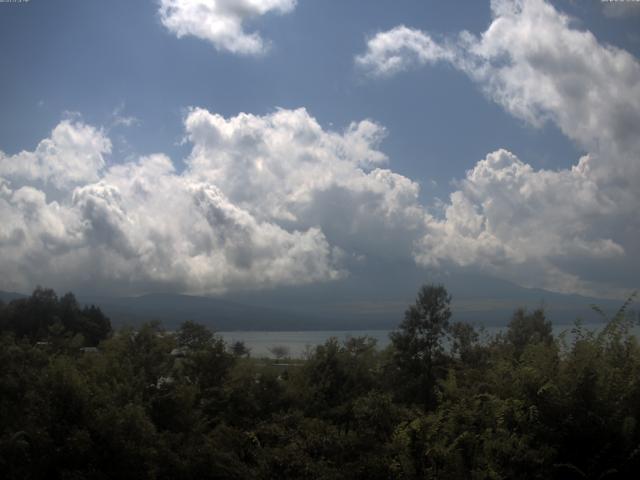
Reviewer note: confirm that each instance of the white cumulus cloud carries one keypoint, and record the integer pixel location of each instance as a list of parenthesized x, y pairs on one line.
[(285, 168), (571, 230), (399, 49), (264, 201), (73, 154), (221, 22)]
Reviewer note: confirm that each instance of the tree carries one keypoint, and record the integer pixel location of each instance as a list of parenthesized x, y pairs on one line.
[(279, 351), (194, 336), (465, 344), (239, 349), (418, 343), (34, 318), (337, 374), (525, 329), (96, 326)]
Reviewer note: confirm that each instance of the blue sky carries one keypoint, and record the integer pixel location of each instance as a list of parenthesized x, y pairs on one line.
[(114, 66), (97, 57)]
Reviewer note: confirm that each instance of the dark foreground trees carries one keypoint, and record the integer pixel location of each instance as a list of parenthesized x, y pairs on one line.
[(45, 317), (438, 404)]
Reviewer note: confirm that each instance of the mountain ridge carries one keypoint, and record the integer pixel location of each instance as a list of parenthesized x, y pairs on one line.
[(284, 310)]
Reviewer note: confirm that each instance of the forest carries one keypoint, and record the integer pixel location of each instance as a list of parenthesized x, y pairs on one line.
[(79, 400)]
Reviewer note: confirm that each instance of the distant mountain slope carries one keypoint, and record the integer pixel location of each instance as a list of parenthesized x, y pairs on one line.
[(378, 297), (223, 314), (218, 313), (368, 300), (8, 296)]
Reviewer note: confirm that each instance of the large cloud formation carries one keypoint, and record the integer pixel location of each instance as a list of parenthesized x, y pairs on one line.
[(278, 200), (264, 201), (574, 229), (221, 21)]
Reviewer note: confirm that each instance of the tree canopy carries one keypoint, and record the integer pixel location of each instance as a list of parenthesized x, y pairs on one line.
[(441, 402)]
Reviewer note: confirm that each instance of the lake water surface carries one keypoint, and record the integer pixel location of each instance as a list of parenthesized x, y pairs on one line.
[(299, 342)]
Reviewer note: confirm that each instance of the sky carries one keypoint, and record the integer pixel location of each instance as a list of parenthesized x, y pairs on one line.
[(215, 146)]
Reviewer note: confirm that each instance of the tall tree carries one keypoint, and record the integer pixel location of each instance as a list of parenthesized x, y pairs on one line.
[(418, 348)]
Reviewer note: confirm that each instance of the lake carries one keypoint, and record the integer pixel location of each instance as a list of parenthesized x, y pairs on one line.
[(299, 342)]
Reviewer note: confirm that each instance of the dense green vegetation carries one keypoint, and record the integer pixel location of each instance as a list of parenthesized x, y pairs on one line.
[(441, 402)]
